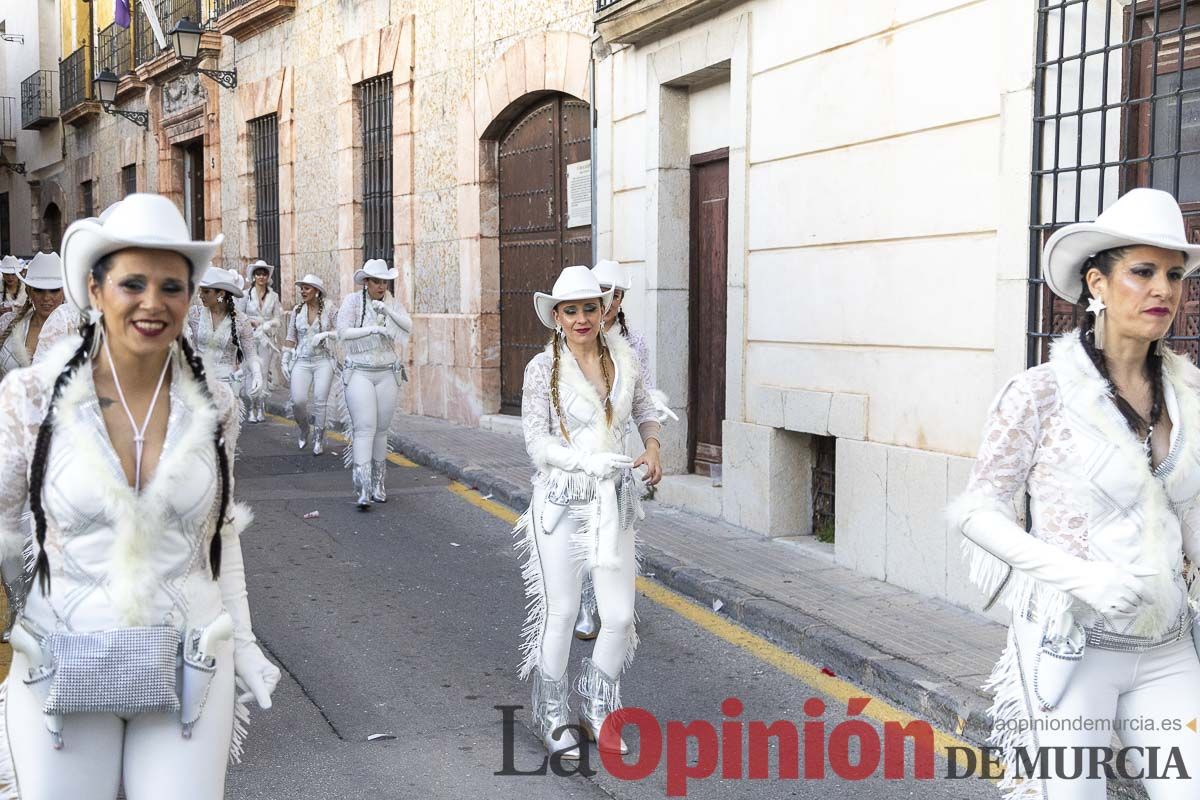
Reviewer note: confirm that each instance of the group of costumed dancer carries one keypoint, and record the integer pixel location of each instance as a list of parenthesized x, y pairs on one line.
[(121, 406)]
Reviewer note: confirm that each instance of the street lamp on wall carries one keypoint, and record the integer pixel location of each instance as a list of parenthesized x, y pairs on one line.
[(106, 90), (185, 37)]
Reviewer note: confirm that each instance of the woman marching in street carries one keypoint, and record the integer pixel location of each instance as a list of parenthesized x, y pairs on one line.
[(307, 360), (611, 275), (370, 328), (12, 291), (223, 337), (20, 330), (578, 396), (1105, 439), (123, 448), (263, 311)]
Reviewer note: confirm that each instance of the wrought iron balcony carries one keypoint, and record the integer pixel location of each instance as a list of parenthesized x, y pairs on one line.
[(8, 120), (169, 13), (603, 4), (37, 100), (114, 50), (74, 75)]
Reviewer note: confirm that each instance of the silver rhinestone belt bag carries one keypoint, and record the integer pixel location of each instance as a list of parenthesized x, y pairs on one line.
[(120, 671)]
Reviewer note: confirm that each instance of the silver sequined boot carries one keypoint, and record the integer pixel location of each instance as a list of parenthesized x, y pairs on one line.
[(362, 485), (600, 695), (378, 473), (551, 712), (319, 442), (303, 441), (587, 624)]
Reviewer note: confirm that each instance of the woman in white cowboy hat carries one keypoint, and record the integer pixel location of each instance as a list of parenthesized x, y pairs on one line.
[(123, 448), (12, 291), (578, 396), (20, 330), (308, 360), (1105, 439), (371, 329), (263, 310), (223, 336), (612, 276)]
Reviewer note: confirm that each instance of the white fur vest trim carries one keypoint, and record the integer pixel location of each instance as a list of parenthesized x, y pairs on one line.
[(138, 519)]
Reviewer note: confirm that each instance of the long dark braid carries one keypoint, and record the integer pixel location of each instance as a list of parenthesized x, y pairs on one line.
[(320, 310), (362, 318), (604, 355), (231, 310), (41, 452), (24, 312), (214, 548), (1104, 261), (621, 322)]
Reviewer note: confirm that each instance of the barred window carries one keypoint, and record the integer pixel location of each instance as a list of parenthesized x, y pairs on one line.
[(128, 179), (375, 115), (1116, 106), (87, 199), (264, 145)]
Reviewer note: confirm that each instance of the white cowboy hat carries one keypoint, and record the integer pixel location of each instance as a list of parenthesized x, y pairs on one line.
[(574, 283), (313, 281), (259, 264), (45, 272), (223, 279), (374, 268), (1138, 217), (148, 221), (10, 265), (611, 274)]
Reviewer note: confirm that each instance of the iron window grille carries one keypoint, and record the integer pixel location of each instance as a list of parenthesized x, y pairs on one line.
[(823, 486), (1115, 107), (87, 198), (75, 74), (375, 114), (128, 179), (264, 144)]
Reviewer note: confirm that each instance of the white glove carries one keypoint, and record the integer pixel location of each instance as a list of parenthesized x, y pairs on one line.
[(604, 465), (660, 405), (319, 338), (255, 674), (401, 318), (256, 379), (379, 307), (289, 360), (1106, 587)]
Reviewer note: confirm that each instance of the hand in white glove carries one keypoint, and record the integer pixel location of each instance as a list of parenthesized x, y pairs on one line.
[(379, 307), (256, 380), (255, 675), (379, 329), (1112, 588), (604, 465), (319, 338), (289, 360)]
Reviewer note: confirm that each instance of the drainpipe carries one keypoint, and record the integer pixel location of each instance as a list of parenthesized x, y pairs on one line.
[(595, 119)]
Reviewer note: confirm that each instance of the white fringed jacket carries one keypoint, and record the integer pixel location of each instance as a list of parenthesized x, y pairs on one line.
[(301, 332), (118, 558), (216, 344), (1055, 432)]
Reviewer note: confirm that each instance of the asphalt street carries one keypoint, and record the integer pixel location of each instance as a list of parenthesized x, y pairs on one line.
[(403, 621)]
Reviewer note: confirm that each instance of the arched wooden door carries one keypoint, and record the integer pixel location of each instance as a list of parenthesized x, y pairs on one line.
[(52, 227), (535, 241)]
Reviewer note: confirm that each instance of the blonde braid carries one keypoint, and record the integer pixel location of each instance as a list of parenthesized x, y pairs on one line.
[(555, 400), (608, 409)]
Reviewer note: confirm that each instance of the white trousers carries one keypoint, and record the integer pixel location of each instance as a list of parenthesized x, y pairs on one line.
[(371, 401), (146, 752), (562, 577), (315, 374), (1127, 689)]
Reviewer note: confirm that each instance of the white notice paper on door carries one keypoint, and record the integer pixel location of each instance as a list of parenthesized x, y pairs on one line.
[(579, 194)]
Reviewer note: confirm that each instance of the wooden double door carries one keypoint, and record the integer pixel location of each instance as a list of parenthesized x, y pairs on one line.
[(536, 238)]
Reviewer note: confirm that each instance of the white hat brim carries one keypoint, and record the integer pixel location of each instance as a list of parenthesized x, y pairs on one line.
[(45, 284), (320, 288), (224, 286), (544, 303), (252, 268), (86, 242), (361, 276), (1071, 246)]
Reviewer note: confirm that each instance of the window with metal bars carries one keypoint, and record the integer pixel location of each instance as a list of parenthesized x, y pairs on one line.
[(87, 199), (824, 452), (5, 226), (1116, 106), (375, 117), (128, 179), (264, 146)]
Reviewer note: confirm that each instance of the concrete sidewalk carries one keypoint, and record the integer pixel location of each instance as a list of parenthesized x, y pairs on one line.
[(925, 655)]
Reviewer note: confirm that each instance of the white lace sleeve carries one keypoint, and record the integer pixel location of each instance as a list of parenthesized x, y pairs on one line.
[(645, 415), (535, 409), (191, 328), (246, 338), (1006, 455), (292, 339), (349, 313), (641, 352), (62, 322), (22, 407)]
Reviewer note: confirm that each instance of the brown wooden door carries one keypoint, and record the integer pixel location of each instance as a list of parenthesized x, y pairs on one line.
[(535, 242), (193, 185), (707, 307)]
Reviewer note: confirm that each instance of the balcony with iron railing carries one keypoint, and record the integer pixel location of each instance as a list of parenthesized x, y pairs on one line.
[(75, 87), (9, 121), (242, 19), (38, 108), (114, 50), (638, 21), (169, 12)]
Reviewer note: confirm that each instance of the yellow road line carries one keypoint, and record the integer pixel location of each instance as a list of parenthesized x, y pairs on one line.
[(833, 687), (395, 458)]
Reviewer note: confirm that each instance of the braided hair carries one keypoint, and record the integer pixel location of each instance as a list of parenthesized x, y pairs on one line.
[(362, 317), (26, 310), (320, 309), (231, 310), (1104, 261), (214, 547), (556, 398), (621, 322)]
